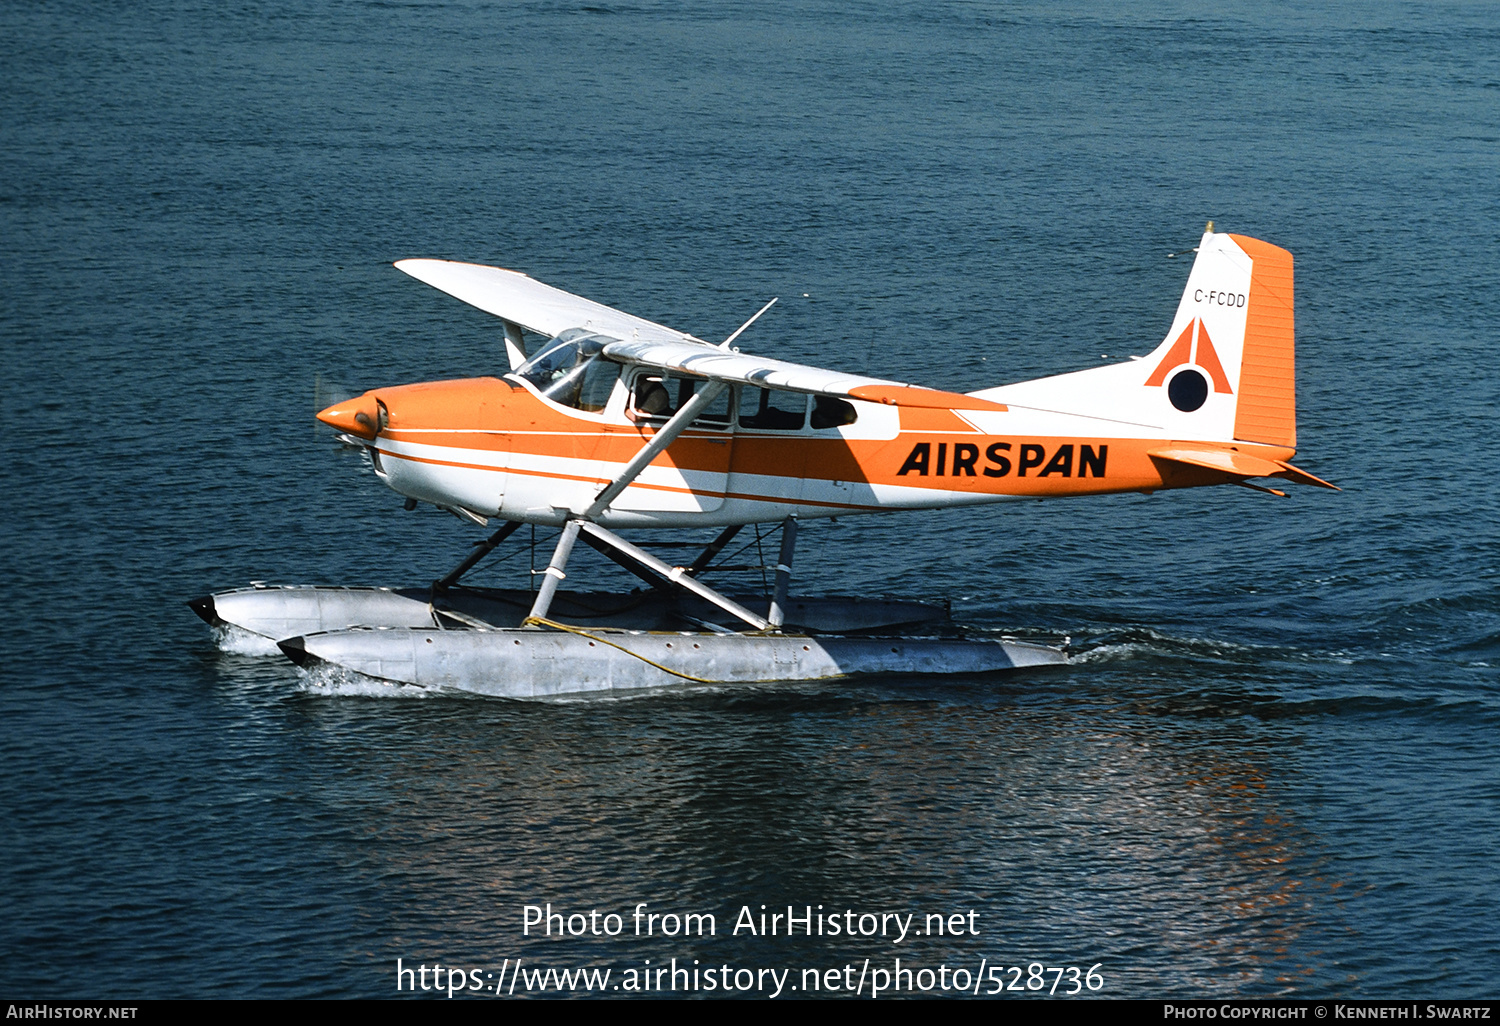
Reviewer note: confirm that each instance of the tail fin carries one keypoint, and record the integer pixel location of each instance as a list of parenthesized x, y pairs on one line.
[(1224, 372), (1230, 350), (1240, 291), (1267, 410)]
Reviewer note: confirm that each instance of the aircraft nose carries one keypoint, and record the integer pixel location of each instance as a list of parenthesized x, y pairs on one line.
[(359, 416)]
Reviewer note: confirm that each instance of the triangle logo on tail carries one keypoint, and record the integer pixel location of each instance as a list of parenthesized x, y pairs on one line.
[(1193, 346)]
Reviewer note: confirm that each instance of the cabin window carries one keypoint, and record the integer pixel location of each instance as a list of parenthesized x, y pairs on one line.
[(570, 371), (769, 410), (829, 412), (658, 396)]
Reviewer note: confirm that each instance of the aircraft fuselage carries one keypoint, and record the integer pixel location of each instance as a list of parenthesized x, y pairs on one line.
[(499, 448)]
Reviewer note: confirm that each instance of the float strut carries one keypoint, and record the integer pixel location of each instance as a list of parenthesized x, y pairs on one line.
[(675, 575), (714, 548), (553, 575), (777, 614), (481, 549)]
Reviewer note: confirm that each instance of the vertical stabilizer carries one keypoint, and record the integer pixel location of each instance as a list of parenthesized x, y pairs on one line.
[(1192, 379), (1227, 362), (1267, 410)]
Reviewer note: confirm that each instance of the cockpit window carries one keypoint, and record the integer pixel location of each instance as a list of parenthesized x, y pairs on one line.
[(569, 371)]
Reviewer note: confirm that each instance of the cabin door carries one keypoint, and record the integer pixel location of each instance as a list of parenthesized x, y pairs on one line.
[(692, 476)]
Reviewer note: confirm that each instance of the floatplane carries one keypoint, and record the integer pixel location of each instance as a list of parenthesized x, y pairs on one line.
[(617, 423)]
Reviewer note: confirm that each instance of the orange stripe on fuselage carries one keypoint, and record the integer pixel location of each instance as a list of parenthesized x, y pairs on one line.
[(489, 415)]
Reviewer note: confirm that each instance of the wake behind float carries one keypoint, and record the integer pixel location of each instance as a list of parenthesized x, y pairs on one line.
[(619, 423)]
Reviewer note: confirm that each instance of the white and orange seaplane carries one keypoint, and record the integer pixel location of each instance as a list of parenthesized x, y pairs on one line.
[(617, 423)]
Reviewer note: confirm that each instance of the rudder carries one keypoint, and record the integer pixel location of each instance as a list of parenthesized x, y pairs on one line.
[(1267, 410)]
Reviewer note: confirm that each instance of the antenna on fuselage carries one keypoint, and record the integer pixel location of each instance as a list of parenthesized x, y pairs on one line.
[(725, 344)]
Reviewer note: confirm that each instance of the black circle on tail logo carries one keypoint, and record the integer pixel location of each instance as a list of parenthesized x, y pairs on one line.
[(1188, 390)]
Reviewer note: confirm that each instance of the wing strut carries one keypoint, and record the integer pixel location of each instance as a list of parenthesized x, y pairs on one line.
[(515, 345), (663, 438), (666, 436), (681, 577)]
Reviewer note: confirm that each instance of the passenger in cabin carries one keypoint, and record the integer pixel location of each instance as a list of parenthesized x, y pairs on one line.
[(829, 412), (652, 398)]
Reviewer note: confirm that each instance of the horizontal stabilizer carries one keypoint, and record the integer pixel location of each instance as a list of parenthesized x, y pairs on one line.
[(1303, 477), (1240, 464)]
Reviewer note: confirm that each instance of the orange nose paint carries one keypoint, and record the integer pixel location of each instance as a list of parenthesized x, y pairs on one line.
[(355, 416)]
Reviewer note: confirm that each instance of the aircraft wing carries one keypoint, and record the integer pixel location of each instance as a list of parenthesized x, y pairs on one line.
[(514, 297), (709, 361)]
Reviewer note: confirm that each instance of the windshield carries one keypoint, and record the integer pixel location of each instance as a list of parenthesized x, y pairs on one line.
[(559, 369)]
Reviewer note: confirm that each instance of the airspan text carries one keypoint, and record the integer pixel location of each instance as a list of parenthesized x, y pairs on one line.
[(1000, 458)]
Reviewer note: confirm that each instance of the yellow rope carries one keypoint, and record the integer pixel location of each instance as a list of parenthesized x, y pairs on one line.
[(541, 622)]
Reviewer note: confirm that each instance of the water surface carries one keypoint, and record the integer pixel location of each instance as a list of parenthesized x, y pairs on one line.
[(1271, 769)]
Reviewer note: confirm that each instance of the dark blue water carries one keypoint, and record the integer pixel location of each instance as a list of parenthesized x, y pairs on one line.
[(1272, 769)]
